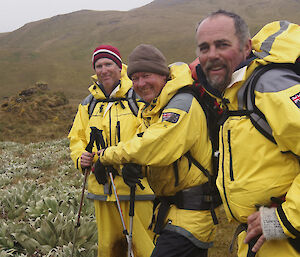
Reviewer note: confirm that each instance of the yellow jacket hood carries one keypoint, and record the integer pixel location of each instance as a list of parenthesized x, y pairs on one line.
[(277, 42), (180, 76)]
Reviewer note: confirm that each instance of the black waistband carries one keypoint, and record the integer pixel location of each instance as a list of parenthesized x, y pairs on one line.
[(195, 198)]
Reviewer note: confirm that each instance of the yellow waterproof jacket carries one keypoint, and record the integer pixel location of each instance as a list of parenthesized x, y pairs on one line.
[(117, 122), (173, 124), (171, 127), (252, 169)]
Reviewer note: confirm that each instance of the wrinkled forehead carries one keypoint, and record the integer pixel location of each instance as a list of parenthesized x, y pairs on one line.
[(219, 25)]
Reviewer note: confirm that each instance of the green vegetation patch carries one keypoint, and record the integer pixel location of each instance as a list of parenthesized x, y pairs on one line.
[(39, 200)]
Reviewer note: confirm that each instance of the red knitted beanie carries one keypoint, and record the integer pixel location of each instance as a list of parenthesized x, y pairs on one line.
[(107, 51)]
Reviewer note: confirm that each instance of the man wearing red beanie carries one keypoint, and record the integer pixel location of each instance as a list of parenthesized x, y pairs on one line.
[(108, 109)]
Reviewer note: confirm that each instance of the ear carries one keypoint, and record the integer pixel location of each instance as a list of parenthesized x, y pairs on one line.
[(248, 47)]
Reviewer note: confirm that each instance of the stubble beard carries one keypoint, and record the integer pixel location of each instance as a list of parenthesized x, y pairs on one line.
[(219, 82)]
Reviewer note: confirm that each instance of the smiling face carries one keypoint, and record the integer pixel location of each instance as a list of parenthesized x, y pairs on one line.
[(219, 50), (108, 73), (148, 85)]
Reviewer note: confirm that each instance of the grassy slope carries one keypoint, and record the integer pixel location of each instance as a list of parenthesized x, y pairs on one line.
[(58, 50)]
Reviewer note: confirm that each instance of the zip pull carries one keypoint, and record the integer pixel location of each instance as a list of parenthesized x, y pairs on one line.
[(101, 108), (118, 131), (122, 105)]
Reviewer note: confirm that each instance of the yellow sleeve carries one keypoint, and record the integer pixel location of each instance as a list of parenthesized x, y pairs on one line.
[(281, 107), (77, 135), (163, 142), (289, 213)]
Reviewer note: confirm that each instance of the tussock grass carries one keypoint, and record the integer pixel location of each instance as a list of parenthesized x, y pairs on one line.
[(35, 115)]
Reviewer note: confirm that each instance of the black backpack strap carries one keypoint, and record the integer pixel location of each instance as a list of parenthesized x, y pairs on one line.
[(197, 164), (131, 98), (94, 101), (214, 193), (176, 173)]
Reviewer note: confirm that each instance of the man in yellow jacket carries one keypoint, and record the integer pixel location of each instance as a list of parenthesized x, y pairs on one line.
[(173, 129), (108, 109), (254, 172)]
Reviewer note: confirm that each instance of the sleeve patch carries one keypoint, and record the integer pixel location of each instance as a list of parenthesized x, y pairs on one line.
[(296, 99), (170, 116)]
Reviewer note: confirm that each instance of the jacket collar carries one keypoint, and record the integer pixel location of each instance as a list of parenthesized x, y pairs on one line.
[(237, 76)]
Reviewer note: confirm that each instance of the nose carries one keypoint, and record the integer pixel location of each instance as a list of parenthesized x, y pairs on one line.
[(140, 82), (212, 53), (103, 69)]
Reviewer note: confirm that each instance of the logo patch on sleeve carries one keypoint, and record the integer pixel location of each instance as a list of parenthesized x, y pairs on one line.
[(170, 116), (296, 99)]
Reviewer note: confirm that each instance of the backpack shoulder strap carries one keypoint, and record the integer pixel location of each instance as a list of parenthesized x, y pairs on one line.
[(211, 111), (92, 104), (212, 116), (131, 98), (247, 98), (257, 118), (90, 101)]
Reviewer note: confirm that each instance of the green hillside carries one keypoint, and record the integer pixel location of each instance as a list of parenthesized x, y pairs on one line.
[(57, 51)]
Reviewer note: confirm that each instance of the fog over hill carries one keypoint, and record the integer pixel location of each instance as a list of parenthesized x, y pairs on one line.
[(57, 51)]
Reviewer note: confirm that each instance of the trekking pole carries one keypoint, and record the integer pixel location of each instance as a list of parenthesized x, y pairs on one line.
[(88, 148), (100, 139), (131, 214), (87, 171), (125, 231)]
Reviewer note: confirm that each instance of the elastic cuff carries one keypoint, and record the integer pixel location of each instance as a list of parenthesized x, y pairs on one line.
[(271, 227)]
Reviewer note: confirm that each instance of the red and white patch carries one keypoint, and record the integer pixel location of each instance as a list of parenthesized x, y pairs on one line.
[(296, 99), (170, 116)]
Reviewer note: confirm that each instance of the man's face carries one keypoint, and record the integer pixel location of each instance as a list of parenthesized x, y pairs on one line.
[(148, 85), (108, 72), (219, 50)]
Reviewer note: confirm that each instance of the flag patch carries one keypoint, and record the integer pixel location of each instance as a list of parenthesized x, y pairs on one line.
[(296, 99), (170, 116)]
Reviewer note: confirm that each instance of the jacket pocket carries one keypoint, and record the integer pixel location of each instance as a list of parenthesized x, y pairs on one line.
[(230, 156)]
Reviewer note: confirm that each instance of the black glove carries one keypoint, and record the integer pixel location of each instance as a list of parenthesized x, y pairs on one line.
[(100, 172), (132, 173)]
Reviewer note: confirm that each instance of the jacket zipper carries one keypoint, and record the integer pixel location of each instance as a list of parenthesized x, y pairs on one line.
[(109, 128), (223, 173), (230, 156)]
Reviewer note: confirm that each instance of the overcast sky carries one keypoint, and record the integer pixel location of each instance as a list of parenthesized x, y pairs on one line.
[(16, 13)]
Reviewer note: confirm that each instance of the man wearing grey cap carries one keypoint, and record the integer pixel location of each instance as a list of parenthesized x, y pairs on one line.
[(173, 129)]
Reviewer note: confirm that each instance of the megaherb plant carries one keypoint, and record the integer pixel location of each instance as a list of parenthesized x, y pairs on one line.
[(39, 200)]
